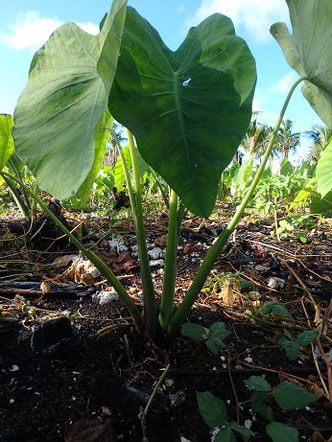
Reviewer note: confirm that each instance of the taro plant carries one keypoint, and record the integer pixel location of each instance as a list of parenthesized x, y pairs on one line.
[(186, 112)]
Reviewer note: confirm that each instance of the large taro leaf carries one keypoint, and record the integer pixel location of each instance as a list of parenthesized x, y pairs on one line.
[(309, 51), (188, 109), (101, 137), (63, 101), (6, 139), (324, 170), (320, 205)]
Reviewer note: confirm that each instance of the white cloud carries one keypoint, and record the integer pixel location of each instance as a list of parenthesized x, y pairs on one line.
[(284, 84), (256, 16), (31, 30), (265, 115)]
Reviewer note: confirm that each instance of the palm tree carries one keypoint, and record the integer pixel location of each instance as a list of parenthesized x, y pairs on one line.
[(287, 141), (256, 138), (319, 136)]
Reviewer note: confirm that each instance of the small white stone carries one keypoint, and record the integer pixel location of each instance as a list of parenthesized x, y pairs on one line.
[(249, 359), (248, 424), (155, 253), (14, 368), (260, 268), (11, 401), (275, 283), (105, 297), (156, 263)]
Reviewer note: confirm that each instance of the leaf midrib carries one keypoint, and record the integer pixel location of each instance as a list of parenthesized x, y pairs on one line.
[(183, 131)]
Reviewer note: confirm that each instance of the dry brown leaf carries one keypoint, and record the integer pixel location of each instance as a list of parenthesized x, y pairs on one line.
[(123, 262), (91, 430), (45, 287), (227, 295), (189, 248), (82, 271), (63, 261), (161, 242), (317, 319)]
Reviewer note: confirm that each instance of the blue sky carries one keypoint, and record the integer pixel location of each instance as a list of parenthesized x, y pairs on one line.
[(26, 25)]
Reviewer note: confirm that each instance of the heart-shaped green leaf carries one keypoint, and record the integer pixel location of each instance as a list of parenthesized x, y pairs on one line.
[(6, 139), (244, 431), (290, 396), (218, 330), (309, 51), (63, 101), (259, 404), (194, 331), (225, 435), (188, 109), (292, 348), (275, 308), (212, 409), (282, 433), (257, 383), (324, 170), (306, 337)]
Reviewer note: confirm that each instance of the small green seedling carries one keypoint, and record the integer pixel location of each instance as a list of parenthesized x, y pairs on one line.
[(213, 411), (288, 396), (213, 337), (275, 308), (292, 345)]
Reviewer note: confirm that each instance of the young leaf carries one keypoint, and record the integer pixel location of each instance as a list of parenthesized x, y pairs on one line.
[(259, 405), (282, 433), (188, 109), (289, 396), (275, 308), (245, 432), (218, 330), (308, 51), (212, 409), (194, 331), (292, 348), (101, 136), (6, 139), (306, 337), (214, 344), (323, 172), (257, 383), (62, 103), (225, 435), (119, 174), (118, 169)]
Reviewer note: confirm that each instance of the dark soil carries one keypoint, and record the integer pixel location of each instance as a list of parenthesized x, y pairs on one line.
[(104, 381)]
